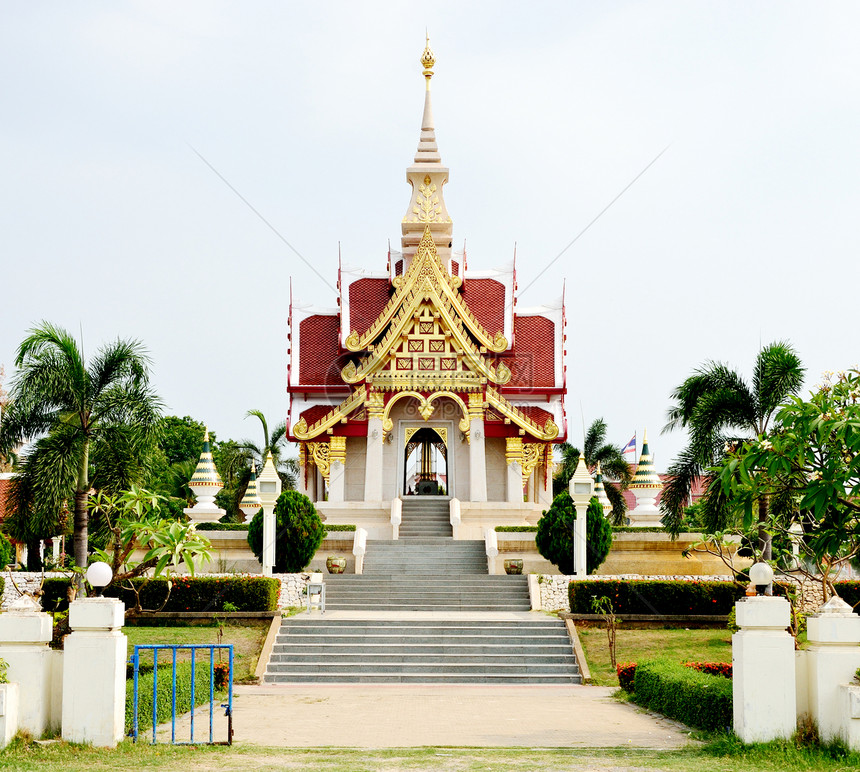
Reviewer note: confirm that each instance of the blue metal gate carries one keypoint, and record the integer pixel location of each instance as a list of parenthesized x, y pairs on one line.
[(172, 663)]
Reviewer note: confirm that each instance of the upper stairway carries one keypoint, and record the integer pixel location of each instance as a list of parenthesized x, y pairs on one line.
[(425, 516)]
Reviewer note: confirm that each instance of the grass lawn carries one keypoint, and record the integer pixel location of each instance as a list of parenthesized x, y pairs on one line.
[(638, 645), (721, 755), (247, 639)]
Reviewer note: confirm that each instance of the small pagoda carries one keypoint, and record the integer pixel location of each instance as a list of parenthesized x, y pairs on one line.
[(427, 380)]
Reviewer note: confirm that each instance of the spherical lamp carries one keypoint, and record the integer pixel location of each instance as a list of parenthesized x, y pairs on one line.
[(99, 575), (761, 575)]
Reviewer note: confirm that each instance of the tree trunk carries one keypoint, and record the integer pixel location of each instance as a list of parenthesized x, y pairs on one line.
[(82, 514), (81, 536), (34, 559), (764, 536)]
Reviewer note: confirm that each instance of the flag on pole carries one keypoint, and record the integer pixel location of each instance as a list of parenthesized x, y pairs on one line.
[(630, 447)]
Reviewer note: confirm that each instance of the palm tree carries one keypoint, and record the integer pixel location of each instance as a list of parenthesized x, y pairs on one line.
[(719, 409), (274, 444), (103, 416), (616, 470)]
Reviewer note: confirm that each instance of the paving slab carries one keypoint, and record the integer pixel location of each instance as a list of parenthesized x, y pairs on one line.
[(398, 716)]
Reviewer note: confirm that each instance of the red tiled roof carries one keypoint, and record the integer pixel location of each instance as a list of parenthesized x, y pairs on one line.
[(367, 298), (320, 349), (455, 268), (4, 492), (537, 414), (313, 414), (533, 363), (486, 300)]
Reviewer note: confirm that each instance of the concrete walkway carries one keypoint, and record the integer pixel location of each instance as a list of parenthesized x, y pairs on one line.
[(395, 716)]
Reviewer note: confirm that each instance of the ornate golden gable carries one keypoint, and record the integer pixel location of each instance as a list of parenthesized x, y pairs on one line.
[(427, 279)]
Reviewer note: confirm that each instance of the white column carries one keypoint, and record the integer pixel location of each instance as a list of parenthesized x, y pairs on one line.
[(763, 664), (832, 657), (477, 461), (514, 487), (580, 566), (335, 481), (268, 489), (94, 673), (25, 633), (373, 460)]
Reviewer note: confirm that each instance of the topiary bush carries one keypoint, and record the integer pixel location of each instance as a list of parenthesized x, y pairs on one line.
[(7, 551), (684, 694), (554, 537), (298, 532)]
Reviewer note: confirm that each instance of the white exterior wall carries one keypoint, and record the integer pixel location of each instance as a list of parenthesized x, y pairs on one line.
[(356, 460), (496, 469)]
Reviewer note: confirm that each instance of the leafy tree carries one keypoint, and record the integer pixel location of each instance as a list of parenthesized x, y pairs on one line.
[(810, 466), (554, 537), (719, 409), (7, 552), (135, 521), (298, 532), (94, 424), (612, 462)]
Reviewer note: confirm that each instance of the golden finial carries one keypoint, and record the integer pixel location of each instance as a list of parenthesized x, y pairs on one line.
[(428, 60)]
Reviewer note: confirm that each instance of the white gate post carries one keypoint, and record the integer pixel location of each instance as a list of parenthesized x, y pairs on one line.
[(94, 673), (763, 670)]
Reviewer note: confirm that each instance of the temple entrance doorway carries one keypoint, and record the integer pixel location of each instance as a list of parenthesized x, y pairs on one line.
[(425, 461)]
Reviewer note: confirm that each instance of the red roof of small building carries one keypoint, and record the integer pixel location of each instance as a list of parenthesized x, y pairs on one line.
[(536, 414), (320, 349), (5, 485), (313, 414), (367, 299), (533, 363), (486, 300)]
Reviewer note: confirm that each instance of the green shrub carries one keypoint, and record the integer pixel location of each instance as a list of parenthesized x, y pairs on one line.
[(222, 526), (516, 529), (554, 537), (684, 694), (657, 596), (189, 593), (298, 532), (165, 693), (7, 551), (638, 529), (849, 591), (342, 527)]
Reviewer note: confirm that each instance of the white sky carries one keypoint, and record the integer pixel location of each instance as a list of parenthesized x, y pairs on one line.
[(745, 231)]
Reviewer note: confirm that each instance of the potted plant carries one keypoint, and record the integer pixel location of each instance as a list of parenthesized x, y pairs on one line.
[(336, 564), (514, 566)]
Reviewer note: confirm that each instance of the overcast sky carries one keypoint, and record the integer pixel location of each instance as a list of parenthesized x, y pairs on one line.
[(743, 232)]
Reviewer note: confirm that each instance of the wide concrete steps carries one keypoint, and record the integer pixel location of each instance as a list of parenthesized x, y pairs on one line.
[(425, 556), (422, 651), (429, 592), (424, 517)]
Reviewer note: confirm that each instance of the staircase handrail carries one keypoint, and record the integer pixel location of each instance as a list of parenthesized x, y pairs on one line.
[(454, 516), (396, 517), (491, 546), (359, 547)]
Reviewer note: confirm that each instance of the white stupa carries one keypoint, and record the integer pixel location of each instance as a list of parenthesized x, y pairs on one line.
[(646, 486), (205, 483)]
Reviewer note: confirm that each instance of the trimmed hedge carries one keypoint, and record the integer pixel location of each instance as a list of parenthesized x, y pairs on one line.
[(681, 693), (342, 527), (222, 527), (189, 593), (656, 596), (165, 693), (638, 529), (626, 671), (516, 529), (849, 591)]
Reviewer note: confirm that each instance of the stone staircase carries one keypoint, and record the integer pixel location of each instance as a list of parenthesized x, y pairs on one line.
[(425, 517), (423, 651), (425, 610)]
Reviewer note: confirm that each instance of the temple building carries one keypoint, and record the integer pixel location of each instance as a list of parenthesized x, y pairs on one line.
[(427, 380)]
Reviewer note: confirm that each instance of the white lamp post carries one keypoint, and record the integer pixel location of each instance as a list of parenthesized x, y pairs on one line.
[(761, 577), (269, 487), (581, 491), (99, 575)]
